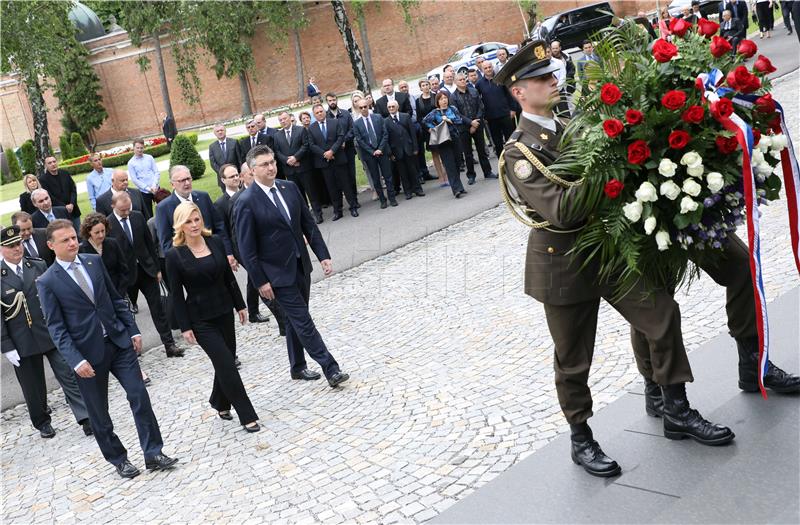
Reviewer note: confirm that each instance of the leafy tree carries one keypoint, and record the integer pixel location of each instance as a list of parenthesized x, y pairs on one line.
[(183, 152), (77, 145), (27, 154), (65, 146), (14, 171)]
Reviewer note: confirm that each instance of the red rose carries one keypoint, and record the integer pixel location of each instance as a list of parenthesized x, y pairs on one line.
[(694, 115), (674, 99), (722, 108), (747, 48), (765, 104), (663, 51), (638, 152), (719, 46), (726, 145), (610, 93), (743, 80), (707, 28), (678, 139), (763, 65), (613, 127), (756, 137), (613, 188), (679, 26), (634, 116), (753, 84)]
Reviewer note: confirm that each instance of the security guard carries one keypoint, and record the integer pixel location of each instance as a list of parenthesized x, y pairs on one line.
[(571, 295), (25, 339)]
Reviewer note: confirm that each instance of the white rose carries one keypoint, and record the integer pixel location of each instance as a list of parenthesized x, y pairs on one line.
[(662, 240), (695, 171), (779, 142), (715, 181), (691, 158), (764, 168), (687, 205), (667, 168), (649, 225), (670, 190), (764, 142), (633, 211), (691, 187), (757, 157), (646, 193)]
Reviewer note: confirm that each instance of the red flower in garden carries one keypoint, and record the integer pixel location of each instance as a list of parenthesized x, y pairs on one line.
[(756, 137), (678, 139), (674, 99), (638, 152), (747, 48), (679, 26), (613, 188), (610, 93), (722, 108), (663, 51), (707, 28), (633, 117), (719, 46), (726, 145), (763, 65), (613, 127), (693, 115), (765, 104)]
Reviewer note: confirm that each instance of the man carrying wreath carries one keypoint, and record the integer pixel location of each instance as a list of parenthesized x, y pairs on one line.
[(571, 294)]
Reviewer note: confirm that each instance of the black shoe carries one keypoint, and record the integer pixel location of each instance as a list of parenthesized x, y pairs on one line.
[(409, 196), (429, 177), (384, 205), (490, 176), (393, 203), (336, 216), (318, 218), (237, 363), (591, 457), (147, 381), (87, 427), (358, 205), (160, 462), (682, 421), (47, 431), (775, 379), (354, 212), (306, 375), (254, 427), (653, 401), (259, 318), (282, 329), (419, 193), (226, 415), (173, 350), (337, 379), (49, 410), (127, 470), (134, 308), (471, 180)]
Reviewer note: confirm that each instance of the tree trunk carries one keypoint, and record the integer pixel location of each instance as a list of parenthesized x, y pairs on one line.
[(41, 135), (247, 107), (162, 75), (362, 31), (298, 60), (350, 44)]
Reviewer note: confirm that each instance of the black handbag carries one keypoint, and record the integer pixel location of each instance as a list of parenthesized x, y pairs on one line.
[(166, 306)]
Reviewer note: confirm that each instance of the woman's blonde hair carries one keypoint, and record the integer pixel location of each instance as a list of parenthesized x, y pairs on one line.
[(28, 177), (179, 218)]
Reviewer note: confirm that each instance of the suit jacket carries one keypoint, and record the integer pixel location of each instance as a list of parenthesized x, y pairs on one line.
[(312, 90), (363, 140), (270, 246), (231, 156), (142, 254), (39, 238), (298, 148), (40, 221), (738, 11), (381, 105), (402, 136), (735, 30), (244, 144), (16, 334), (103, 203), (212, 220), (115, 263), (223, 207), (169, 128), (75, 322), (344, 117), (25, 203), (332, 141), (62, 190)]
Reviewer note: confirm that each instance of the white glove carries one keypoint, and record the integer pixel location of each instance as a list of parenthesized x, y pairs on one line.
[(13, 357)]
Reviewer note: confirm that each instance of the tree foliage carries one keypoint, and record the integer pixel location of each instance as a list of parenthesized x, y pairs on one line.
[(64, 146), (27, 154), (183, 152), (77, 145), (14, 171)]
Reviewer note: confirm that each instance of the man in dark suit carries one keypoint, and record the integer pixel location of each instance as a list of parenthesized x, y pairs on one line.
[(222, 151), (469, 104), (731, 29), (272, 226), (498, 106), (34, 240), (130, 230), (291, 149), (253, 138), (168, 127), (373, 146), (25, 340), (46, 212), (326, 139), (739, 11), (381, 105), (349, 147), (119, 183), (94, 330), (403, 146), (62, 189), (312, 90)]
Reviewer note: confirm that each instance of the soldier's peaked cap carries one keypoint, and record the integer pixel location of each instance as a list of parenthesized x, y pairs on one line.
[(10, 235), (529, 62)]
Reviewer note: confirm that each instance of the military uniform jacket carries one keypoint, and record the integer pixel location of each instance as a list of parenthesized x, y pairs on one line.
[(552, 274), (17, 335)]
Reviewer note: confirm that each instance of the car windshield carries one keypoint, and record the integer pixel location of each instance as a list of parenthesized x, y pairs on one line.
[(458, 55)]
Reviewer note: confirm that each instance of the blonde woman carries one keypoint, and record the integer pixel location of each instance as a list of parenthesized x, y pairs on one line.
[(198, 264), (31, 182)]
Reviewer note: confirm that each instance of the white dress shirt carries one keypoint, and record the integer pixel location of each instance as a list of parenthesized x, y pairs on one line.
[(545, 122), (267, 190)]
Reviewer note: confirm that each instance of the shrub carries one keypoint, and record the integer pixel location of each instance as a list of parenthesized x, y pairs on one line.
[(14, 171), (27, 153), (115, 161), (183, 152), (192, 137), (65, 146), (77, 145)]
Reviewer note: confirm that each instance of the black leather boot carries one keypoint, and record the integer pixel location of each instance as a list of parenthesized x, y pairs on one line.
[(775, 379), (682, 421), (653, 402), (587, 453)]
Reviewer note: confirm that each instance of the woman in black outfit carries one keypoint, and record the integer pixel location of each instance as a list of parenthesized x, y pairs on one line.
[(93, 231), (31, 182), (425, 105), (198, 264)]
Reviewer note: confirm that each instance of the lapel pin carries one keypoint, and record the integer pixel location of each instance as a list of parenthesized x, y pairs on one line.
[(544, 136)]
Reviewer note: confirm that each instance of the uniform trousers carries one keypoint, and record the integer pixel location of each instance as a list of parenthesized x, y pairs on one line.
[(500, 129), (448, 153), (217, 338), (149, 287), (337, 179), (30, 374), (467, 139)]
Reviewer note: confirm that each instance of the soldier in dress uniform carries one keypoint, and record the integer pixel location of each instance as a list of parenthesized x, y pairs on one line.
[(571, 296), (25, 340)]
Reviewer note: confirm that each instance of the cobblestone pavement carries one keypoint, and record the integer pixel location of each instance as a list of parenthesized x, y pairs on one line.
[(451, 368)]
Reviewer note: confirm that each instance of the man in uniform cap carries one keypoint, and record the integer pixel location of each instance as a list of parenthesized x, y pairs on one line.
[(25, 339), (571, 297)]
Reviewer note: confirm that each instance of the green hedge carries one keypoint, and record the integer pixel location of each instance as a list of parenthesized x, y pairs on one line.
[(14, 171), (27, 154), (76, 144), (183, 152), (65, 147), (115, 161)]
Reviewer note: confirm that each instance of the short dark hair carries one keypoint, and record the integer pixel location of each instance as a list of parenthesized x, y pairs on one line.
[(58, 224), (317, 105), (226, 166), (138, 141), (20, 216), (332, 95), (583, 44), (257, 151), (90, 221), (306, 113), (472, 70), (695, 3), (439, 95), (504, 49)]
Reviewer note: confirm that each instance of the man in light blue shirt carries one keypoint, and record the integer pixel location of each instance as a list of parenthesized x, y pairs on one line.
[(99, 179), (143, 172)]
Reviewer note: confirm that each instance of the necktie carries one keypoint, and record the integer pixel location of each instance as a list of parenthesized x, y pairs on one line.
[(252, 142), (127, 229), (51, 217), (373, 138), (222, 145), (81, 280), (288, 135), (279, 205), (324, 129), (19, 270), (32, 251), (395, 120)]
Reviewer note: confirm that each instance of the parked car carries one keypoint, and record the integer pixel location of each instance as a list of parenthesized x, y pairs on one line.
[(576, 25), (464, 59), (707, 7)]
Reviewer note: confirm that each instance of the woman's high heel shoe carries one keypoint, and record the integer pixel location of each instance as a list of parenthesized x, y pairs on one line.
[(252, 427), (225, 414)]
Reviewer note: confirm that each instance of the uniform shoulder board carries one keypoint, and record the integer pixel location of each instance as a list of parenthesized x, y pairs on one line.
[(33, 259), (514, 136)]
